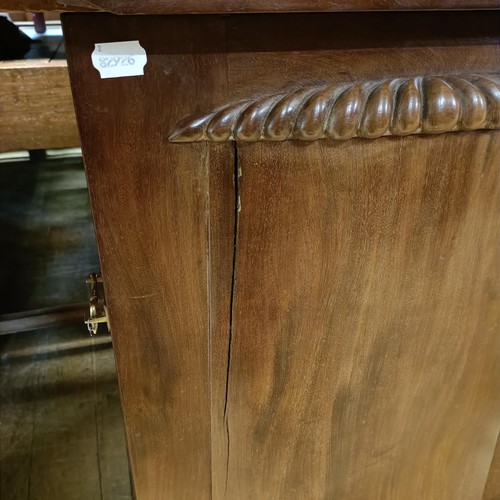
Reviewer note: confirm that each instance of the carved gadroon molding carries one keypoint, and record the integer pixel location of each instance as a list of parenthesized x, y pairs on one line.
[(402, 106)]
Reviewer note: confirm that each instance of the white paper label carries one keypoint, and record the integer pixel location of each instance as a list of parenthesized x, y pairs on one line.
[(119, 59)]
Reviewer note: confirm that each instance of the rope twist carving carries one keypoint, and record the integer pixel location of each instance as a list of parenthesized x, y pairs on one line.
[(398, 107)]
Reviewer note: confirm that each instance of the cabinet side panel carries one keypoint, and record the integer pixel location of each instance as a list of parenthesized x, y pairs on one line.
[(150, 202), (365, 358)]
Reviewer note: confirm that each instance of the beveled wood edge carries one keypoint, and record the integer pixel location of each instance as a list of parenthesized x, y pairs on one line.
[(33, 64), (48, 6), (240, 6), (395, 107)]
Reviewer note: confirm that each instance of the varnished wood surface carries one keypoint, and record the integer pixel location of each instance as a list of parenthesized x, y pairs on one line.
[(45, 6), (349, 51), (36, 106), (400, 106), (350, 47), (150, 204), (364, 354), (492, 489), (238, 6), (325, 324), (223, 205)]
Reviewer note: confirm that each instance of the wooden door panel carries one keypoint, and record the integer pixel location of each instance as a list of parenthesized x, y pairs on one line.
[(364, 352)]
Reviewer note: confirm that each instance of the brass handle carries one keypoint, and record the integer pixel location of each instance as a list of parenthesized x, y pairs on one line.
[(97, 305)]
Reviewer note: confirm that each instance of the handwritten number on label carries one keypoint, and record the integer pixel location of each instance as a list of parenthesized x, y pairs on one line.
[(119, 59), (112, 61)]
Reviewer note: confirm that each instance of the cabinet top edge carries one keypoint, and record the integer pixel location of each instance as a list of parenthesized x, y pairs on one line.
[(130, 7)]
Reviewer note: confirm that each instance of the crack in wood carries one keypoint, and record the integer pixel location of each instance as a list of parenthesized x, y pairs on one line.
[(237, 206)]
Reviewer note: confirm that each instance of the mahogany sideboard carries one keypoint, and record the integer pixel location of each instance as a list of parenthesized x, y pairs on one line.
[(298, 224)]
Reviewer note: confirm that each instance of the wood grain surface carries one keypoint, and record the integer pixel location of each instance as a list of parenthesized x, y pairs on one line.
[(295, 320), (238, 6), (36, 108), (399, 106), (223, 206), (150, 208), (364, 353), (62, 433), (492, 488)]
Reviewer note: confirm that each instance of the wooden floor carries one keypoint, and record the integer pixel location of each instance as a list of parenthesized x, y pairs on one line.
[(61, 423), (61, 433)]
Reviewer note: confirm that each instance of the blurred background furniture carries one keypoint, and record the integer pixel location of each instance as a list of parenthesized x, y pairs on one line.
[(37, 115), (61, 424), (36, 105)]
